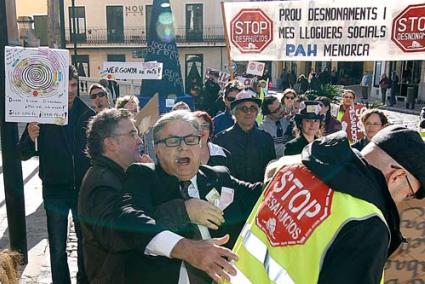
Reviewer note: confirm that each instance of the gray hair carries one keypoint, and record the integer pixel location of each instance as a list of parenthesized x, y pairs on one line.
[(182, 115), (102, 126)]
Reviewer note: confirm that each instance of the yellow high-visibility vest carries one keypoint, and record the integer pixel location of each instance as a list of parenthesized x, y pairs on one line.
[(269, 254)]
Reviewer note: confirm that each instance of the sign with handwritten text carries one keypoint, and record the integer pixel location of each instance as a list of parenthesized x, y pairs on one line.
[(36, 85), (132, 70)]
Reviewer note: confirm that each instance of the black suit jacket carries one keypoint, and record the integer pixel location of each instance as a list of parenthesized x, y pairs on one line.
[(158, 193)]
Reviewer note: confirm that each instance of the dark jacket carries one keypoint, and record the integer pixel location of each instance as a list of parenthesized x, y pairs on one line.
[(359, 252), (359, 145), (219, 157), (115, 233), (222, 121), (295, 146), (152, 187), (63, 162), (332, 125)]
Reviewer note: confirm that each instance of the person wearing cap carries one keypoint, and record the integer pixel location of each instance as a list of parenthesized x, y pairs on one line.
[(336, 206), (251, 149), (99, 97), (308, 122), (225, 119)]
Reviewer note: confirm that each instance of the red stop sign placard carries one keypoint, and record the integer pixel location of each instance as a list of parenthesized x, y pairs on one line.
[(251, 30), (295, 204), (409, 29)]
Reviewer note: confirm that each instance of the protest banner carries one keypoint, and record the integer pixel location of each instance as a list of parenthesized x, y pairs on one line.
[(255, 68), (352, 124), (132, 70), (217, 76), (347, 30), (36, 85), (407, 264)]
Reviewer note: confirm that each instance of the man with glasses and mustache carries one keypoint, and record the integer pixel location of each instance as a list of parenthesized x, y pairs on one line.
[(276, 124), (342, 210), (99, 97), (191, 199), (225, 119)]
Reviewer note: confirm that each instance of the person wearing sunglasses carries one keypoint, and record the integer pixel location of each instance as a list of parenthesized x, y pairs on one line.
[(99, 97), (339, 209), (276, 124), (225, 119), (197, 201), (251, 148), (288, 102)]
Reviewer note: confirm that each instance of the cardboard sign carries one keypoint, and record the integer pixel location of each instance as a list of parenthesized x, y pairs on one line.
[(352, 124), (148, 115), (132, 70), (36, 85), (295, 204), (407, 264), (221, 78), (255, 68), (348, 30)]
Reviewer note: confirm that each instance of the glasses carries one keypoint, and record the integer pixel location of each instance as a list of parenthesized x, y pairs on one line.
[(246, 109), (348, 97), (231, 99), (100, 95), (175, 141), (412, 192), (289, 98), (133, 134), (373, 124), (205, 126), (279, 108)]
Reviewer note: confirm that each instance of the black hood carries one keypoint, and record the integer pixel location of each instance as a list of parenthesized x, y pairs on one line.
[(343, 169)]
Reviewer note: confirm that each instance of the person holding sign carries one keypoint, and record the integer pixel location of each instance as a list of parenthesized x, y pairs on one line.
[(349, 114), (329, 215), (63, 164)]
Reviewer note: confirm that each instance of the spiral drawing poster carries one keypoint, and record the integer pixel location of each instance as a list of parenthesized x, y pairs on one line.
[(36, 85)]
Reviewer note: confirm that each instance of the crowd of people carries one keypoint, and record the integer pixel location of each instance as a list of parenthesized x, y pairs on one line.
[(168, 206)]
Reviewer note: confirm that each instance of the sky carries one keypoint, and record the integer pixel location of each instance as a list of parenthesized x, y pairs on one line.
[(31, 7)]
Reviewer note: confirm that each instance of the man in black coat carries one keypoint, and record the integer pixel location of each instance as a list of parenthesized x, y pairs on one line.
[(122, 242), (62, 167), (178, 179)]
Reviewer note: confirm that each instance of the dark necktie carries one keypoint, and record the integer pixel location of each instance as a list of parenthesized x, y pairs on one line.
[(184, 189), (195, 276), (279, 129)]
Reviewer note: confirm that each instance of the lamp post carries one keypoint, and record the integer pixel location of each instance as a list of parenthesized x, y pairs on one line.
[(74, 39)]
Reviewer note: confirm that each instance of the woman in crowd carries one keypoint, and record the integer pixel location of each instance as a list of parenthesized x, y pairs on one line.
[(373, 120), (288, 102), (130, 103), (384, 84), (308, 123), (211, 154), (330, 123)]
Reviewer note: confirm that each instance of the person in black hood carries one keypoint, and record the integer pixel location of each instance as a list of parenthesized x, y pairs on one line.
[(343, 203)]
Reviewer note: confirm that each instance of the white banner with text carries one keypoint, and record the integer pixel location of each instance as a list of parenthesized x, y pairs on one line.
[(338, 30)]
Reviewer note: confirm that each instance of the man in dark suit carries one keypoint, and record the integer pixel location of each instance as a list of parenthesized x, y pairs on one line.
[(178, 178), (122, 242)]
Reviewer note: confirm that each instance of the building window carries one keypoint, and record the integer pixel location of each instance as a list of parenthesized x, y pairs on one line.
[(194, 21), (80, 23), (82, 63), (194, 66), (115, 23), (116, 57)]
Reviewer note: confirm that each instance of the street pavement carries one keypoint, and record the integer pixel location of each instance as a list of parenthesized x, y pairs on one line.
[(38, 268)]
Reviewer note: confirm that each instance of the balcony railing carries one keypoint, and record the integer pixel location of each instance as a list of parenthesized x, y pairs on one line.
[(138, 36)]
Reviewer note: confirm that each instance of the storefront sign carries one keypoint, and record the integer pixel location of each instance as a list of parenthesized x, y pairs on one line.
[(348, 30)]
